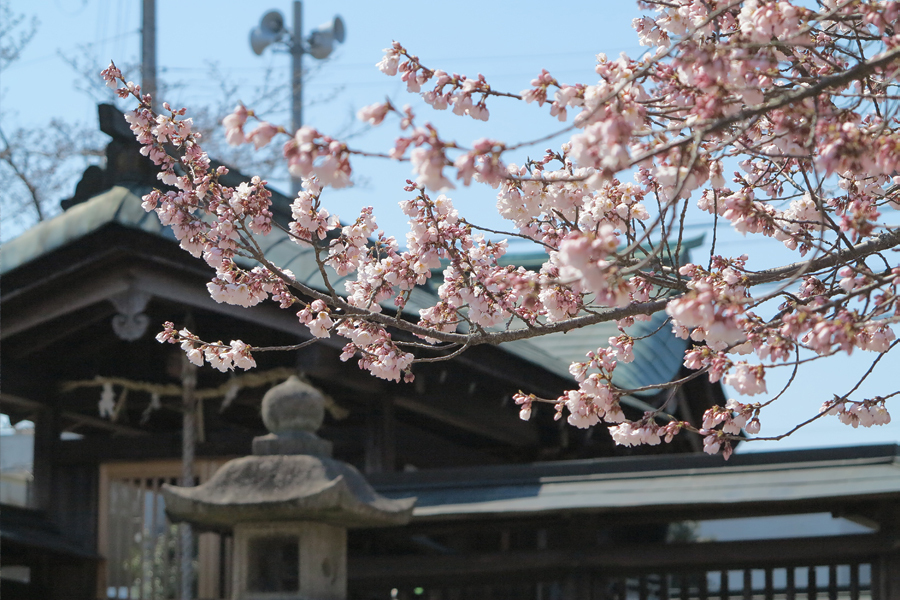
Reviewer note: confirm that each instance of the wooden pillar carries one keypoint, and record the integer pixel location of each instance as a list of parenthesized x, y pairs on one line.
[(888, 575), (577, 585), (188, 446), (388, 436), (46, 441), (380, 451), (886, 570)]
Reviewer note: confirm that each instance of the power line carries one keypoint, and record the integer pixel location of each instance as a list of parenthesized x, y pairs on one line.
[(25, 63)]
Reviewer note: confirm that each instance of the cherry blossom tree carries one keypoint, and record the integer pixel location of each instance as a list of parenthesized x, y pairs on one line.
[(36, 163), (778, 118)]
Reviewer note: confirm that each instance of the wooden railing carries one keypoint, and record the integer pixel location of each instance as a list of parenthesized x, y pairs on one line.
[(140, 546), (858, 567), (849, 581)]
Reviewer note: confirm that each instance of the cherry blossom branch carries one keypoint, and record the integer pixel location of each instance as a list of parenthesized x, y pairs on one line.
[(794, 96)]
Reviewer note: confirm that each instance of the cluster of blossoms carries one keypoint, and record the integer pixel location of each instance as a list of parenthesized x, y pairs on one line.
[(346, 253), (711, 310), (374, 114), (565, 95), (218, 355), (428, 157), (583, 259), (310, 222), (866, 413), (843, 332), (797, 227), (597, 398), (449, 90), (233, 285), (645, 431), (721, 425), (783, 91), (377, 351), (311, 153), (317, 317), (308, 153)]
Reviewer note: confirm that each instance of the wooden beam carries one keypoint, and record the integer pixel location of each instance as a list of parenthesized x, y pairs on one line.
[(101, 424), (74, 417), (423, 449), (526, 438), (662, 513), (20, 402), (35, 343), (191, 293), (60, 303), (188, 290), (165, 445), (700, 555), (501, 365)]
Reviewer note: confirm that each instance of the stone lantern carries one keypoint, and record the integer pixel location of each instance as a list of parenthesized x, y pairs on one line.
[(289, 505)]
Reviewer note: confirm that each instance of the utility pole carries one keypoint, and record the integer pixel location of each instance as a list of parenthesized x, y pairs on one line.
[(297, 81), (189, 371), (148, 49)]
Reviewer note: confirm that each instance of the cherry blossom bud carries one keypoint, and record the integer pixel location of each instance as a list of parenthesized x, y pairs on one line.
[(262, 135), (374, 114)]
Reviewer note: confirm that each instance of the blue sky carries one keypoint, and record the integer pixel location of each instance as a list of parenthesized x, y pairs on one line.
[(508, 42)]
